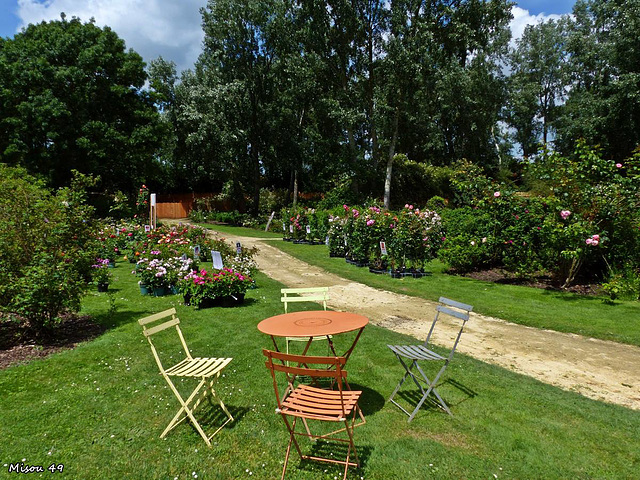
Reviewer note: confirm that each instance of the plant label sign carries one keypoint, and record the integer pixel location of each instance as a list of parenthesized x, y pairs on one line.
[(117, 231), (147, 228), (290, 228), (308, 229), (383, 248), (326, 240), (217, 260), (196, 251), (238, 248), (184, 256), (284, 227)]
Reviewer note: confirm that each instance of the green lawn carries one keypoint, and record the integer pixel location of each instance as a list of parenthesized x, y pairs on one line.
[(99, 409)]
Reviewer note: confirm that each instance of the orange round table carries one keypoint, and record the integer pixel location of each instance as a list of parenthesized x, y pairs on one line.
[(314, 323)]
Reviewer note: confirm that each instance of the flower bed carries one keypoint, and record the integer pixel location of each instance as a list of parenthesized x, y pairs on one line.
[(165, 255)]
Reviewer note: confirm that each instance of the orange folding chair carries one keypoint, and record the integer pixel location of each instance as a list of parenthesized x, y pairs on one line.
[(310, 403), (206, 369)]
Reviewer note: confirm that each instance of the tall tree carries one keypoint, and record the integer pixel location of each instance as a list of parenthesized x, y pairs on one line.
[(72, 98), (537, 83), (442, 92), (603, 105), (237, 55)]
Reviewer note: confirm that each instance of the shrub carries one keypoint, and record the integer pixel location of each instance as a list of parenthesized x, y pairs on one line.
[(416, 238), (418, 181), (624, 285), (47, 243)]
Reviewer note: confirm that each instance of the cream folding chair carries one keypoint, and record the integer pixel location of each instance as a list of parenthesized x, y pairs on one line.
[(206, 369), (310, 403), (410, 355), (311, 294)]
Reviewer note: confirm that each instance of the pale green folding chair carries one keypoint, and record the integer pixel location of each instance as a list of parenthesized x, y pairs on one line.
[(208, 370), (410, 355), (296, 295)]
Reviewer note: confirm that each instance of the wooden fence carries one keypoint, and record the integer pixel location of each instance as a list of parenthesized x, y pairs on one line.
[(179, 205)]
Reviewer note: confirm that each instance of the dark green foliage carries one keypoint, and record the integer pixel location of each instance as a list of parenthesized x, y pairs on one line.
[(603, 106), (537, 83), (46, 247), (468, 243), (71, 99), (416, 183)]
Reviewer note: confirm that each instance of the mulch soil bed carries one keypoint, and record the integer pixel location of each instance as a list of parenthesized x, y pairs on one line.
[(497, 275), (20, 344)]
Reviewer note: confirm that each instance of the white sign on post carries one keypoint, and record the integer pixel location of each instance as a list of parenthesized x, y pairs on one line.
[(238, 248), (147, 228), (284, 227), (196, 251), (152, 197), (217, 259), (326, 240), (308, 229), (383, 248), (290, 228)]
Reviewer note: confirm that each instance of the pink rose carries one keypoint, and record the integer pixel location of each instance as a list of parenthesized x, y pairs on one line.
[(589, 241), (596, 237), (496, 194), (565, 214), (618, 165)]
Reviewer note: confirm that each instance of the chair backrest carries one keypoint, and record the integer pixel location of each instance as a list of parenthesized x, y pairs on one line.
[(170, 320), (454, 309), (318, 294), (295, 365)]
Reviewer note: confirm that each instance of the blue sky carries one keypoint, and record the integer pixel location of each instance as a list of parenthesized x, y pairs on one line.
[(171, 28)]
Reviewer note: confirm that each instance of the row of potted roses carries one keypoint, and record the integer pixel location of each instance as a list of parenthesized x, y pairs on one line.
[(384, 239)]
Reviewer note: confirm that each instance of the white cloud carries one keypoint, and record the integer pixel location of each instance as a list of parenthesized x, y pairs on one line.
[(522, 18), (171, 28)]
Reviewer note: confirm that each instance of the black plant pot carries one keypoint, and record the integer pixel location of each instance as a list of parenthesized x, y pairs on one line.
[(377, 270), (225, 302)]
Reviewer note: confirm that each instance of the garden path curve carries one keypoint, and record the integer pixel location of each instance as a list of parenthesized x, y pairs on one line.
[(598, 369)]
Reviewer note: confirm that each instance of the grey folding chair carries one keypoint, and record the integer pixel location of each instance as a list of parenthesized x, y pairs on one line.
[(410, 355)]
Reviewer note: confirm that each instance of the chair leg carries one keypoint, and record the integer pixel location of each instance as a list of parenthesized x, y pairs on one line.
[(425, 393), (431, 389), (292, 439), (188, 412)]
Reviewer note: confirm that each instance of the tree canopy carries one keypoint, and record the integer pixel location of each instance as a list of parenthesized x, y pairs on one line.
[(72, 98)]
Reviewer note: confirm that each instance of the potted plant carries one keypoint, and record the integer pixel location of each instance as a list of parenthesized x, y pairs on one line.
[(225, 287), (153, 276), (101, 274)]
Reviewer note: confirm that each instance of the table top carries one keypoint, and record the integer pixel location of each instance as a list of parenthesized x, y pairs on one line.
[(312, 323)]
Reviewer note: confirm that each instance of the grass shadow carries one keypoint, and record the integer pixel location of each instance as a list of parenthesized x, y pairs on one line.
[(413, 396), (212, 416), (371, 401), (338, 450)]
